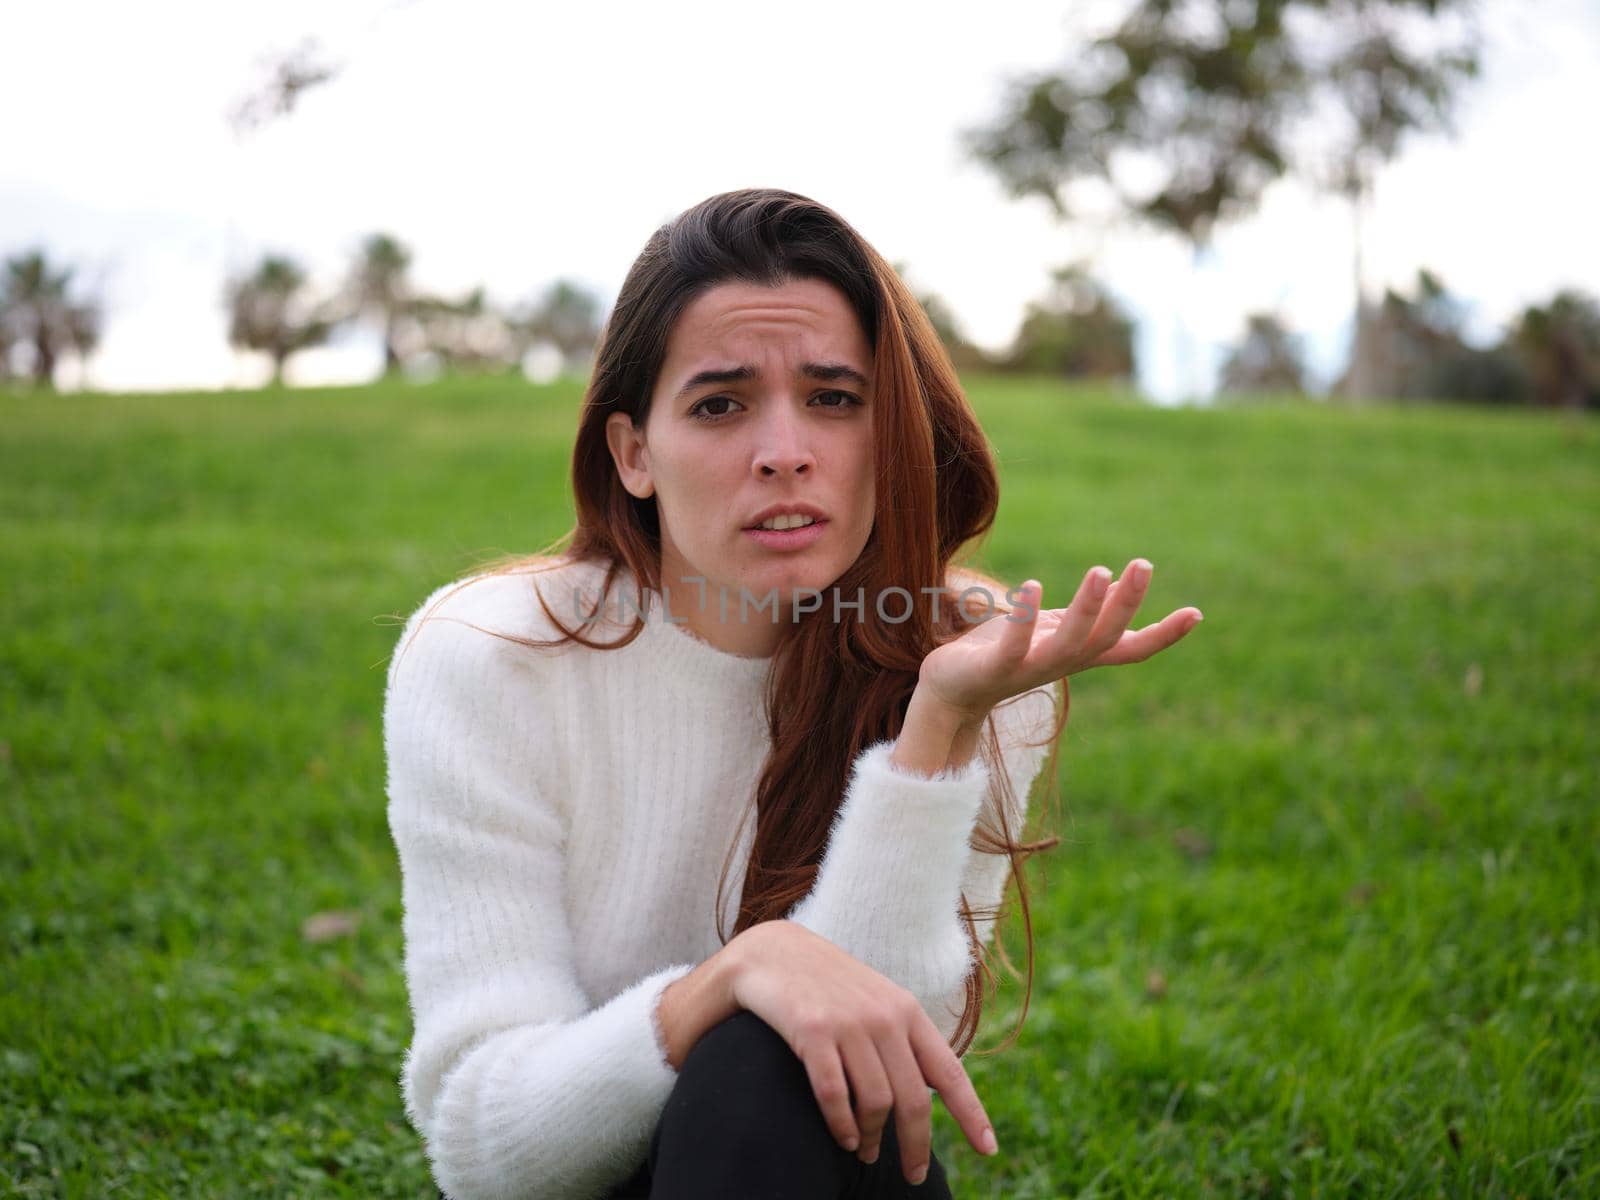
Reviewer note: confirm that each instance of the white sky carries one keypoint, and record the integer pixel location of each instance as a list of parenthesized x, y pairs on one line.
[(512, 144)]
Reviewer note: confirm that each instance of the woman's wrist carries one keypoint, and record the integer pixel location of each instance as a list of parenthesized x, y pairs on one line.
[(690, 1006), (935, 736)]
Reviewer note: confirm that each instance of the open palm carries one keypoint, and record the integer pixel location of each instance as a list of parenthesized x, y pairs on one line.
[(1004, 657)]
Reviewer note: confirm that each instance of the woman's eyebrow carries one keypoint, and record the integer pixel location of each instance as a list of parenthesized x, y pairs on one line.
[(827, 372)]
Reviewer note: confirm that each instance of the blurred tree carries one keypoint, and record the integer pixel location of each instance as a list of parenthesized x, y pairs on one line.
[(378, 288), (286, 77), (269, 310), (1383, 89), (1180, 120), (465, 334), (1414, 350), (1269, 359), (37, 311), (1077, 329), (8, 339), (1189, 109), (963, 354), (1559, 345), (566, 316)]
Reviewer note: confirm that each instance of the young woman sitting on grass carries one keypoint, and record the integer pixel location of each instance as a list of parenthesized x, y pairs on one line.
[(704, 821)]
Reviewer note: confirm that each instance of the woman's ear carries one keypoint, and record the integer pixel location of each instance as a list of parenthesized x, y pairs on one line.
[(630, 454)]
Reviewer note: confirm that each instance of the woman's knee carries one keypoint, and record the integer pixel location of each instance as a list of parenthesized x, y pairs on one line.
[(742, 1079), (744, 1063), (741, 1111)]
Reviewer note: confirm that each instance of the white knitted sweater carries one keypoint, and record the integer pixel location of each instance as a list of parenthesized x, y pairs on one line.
[(562, 818)]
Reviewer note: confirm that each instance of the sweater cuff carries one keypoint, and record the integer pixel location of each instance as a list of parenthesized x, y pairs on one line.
[(640, 1036), (888, 889)]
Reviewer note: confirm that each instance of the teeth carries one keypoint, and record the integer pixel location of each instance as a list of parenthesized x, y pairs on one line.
[(791, 521)]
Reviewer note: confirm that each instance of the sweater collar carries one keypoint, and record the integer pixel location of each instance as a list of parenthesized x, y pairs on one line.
[(676, 651)]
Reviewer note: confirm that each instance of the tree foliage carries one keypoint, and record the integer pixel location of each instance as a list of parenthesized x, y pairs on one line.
[(1077, 329), (566, 316), (1188, 109), (42, 317), (270, 309), (1268, 359), (1415, 349), (379, 288), (1559, 345)]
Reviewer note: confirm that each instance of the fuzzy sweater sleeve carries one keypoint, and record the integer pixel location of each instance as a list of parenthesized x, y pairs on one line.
[(899, 858), (518, 1085)]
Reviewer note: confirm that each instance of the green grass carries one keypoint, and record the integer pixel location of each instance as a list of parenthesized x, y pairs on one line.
[(1350, 821)]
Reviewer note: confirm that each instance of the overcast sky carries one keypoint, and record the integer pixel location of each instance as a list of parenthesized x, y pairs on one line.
[(513, 144)]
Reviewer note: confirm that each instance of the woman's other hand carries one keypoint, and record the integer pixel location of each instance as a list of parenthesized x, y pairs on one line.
[(1011, 653), (857, 1032)]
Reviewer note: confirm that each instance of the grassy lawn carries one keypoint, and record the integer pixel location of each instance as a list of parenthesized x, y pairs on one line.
[(1323, 922)]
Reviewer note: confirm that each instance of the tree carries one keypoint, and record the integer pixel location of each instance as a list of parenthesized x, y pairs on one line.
[(1384, 90), (1077, 330), (964, 355), (8, 339), (1269, 359), (38, 310), (1559, 345), (566, 316), (270, 310), (378, 287), (286, 78), (1415, 350), (467, 333), (1189, 109)]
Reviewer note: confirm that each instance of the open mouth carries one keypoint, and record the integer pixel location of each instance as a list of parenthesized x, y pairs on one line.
[(788, 533)]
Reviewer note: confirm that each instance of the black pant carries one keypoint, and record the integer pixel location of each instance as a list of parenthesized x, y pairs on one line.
[(742, 1123)]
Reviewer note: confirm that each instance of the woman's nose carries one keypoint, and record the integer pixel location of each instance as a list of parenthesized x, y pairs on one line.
[(784, 445)]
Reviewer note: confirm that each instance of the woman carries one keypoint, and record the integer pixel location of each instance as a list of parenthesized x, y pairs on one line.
[(756, 616)]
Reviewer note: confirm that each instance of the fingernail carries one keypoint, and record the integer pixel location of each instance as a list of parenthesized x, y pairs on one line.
[(990, 1146), (1198, 616), (917, 1176), (850, 1144)]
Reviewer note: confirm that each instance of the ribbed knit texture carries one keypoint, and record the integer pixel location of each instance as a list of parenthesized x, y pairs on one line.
[(562, 817)]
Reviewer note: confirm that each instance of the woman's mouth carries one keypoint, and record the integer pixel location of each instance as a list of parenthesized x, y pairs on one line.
[(788, 539)]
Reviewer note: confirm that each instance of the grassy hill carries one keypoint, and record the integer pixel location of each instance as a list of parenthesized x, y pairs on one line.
[(1322, 922)]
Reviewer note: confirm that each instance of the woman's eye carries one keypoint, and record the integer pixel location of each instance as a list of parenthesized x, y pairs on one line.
[(702, 411), (699, 410), (845, 398)]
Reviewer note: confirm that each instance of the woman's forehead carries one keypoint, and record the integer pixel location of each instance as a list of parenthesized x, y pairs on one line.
[(734, 323)]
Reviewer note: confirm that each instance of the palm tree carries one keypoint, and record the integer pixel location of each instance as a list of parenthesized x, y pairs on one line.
[(37, 309), (568, 317), (269, 311), (378, 286)]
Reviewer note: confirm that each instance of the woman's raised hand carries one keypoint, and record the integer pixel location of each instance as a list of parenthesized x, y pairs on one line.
[(1014, 652), (857, 1032)]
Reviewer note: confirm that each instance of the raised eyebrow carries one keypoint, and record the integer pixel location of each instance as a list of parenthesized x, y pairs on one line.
[(827, 372)]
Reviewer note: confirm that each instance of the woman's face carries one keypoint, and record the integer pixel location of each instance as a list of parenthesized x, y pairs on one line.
[(763, 400)]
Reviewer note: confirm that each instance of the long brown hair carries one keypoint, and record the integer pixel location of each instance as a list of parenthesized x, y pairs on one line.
[(845, 684)]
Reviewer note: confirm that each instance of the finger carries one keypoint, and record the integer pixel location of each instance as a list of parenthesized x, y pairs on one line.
[(832, 1091), (1142, 644), (874, 1096), (943, 1072), (913, 1107), (1122, 601), (1074, 628), (1016, 632)]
